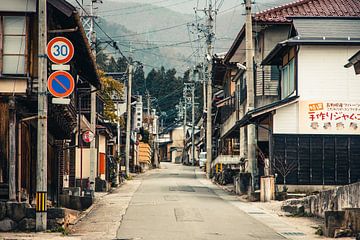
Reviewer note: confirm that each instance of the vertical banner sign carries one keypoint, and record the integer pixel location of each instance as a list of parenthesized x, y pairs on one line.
[(60, 50), (329, 117), (41, 198)]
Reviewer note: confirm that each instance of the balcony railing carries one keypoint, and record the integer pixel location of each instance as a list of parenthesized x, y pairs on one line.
[(228, 108), (86, 104)]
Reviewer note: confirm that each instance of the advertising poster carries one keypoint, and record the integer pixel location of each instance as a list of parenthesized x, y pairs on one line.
[(329, 117)]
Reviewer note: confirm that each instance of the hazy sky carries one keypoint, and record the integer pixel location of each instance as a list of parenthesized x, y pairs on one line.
[(186, 6)]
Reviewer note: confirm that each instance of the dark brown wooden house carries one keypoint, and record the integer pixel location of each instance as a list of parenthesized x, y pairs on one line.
[(18, 96)]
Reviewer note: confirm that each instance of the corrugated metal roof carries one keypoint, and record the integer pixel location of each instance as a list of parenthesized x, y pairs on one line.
[(327, 27)]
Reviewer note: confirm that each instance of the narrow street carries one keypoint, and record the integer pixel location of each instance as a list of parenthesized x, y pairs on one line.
[(173, 203)]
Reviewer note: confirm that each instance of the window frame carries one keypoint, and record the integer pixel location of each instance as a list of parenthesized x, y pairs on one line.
[(288, 68), (26, 54)]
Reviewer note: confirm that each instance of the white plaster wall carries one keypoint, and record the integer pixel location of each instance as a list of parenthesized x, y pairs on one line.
[(322, 75), (286, 119), (18, 6), (102, 144), (10, 86), (85, 163)]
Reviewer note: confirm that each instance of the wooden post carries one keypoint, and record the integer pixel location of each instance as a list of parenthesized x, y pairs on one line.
[(12, 149), (41, 166)]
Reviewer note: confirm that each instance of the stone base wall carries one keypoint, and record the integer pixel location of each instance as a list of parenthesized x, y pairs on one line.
[(336, 199), (21, 216)]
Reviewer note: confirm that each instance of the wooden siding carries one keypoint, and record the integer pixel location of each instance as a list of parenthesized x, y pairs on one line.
[(4, 141), (321, 159), (267, 81)]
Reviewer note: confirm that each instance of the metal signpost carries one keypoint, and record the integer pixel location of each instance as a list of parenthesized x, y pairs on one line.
[(60, 84)]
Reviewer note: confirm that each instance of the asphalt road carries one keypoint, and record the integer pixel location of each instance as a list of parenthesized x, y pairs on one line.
[(174, 203)]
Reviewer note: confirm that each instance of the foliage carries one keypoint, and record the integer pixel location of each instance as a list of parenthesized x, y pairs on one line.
[(144, 135), (163, 85), (111, 90)]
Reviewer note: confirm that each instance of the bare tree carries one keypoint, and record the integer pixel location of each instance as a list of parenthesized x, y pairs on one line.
[(283, 167)]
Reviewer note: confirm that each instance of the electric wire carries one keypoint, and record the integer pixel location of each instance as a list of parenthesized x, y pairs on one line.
[(146, 10)]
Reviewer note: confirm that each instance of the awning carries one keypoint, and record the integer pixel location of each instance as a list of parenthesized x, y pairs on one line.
[(254, 114)]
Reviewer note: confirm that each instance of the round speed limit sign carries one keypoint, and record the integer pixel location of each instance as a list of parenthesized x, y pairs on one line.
[(60, 50)]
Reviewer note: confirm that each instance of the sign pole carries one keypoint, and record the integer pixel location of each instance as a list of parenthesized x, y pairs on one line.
[(41, 166)]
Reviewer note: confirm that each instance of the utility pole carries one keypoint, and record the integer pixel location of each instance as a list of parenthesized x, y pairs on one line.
[(185, 113), (88, 23), (210, 48), (148, 109), (128, 118), (251, 151), (118, 166), (41, 164), (93, 151), (193, 120)]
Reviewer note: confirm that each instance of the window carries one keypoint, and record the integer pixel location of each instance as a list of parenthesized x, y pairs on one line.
[(288, 74), (275, 73), (13, 37)]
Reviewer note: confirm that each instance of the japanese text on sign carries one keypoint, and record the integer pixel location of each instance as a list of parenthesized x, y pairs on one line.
[(329, 117)]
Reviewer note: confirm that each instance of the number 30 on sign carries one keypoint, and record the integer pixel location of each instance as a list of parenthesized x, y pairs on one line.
[(60, 50)]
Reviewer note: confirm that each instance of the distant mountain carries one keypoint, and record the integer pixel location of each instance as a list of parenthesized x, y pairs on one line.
[(160, 36)]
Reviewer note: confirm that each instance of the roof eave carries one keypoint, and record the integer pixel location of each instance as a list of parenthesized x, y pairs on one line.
[(353, 60), (235, 45), (272, 57)]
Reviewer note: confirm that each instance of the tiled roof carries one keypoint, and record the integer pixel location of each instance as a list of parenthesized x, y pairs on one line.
[(334, 8)]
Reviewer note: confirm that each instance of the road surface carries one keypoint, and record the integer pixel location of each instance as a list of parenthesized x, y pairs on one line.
[(174, 203)]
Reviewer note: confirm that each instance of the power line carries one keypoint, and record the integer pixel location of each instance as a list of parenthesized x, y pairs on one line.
[(107, 35), (153, 31), (167, 45), (132, 7), (146, 10)]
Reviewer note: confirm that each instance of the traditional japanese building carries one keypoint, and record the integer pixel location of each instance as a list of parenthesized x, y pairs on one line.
[(18, 98), (300, 85)]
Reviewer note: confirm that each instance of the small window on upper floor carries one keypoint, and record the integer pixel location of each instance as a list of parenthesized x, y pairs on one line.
[(288, 74), (13, 43)]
